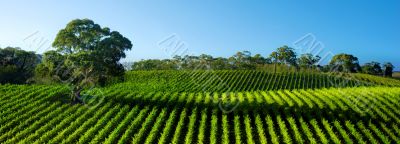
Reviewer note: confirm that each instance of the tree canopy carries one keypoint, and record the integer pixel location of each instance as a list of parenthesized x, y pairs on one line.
[(373, 68), (16, 65), (344, 63), (85, 54), (284, 55), (240, 60), (308, 60), (388, 69)]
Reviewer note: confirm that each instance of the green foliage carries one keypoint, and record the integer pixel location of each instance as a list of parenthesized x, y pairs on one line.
[(147, 124), (16, 65), (271, 130), (372, 68), (242, 80), (166, 132), (388, 69), (308, 60), (30, 114), (154, 64), (179, 127), (191, 127), (241, 60), (284, 55), (237, 129), (344, 63), (214, 128), (248, 129), (374, 79), (260, 130), (86, 54), (52, 69), (202, 127), (225, 130), (284, 131), (9, 74)]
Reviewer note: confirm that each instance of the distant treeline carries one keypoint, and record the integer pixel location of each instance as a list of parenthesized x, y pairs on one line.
[(284, 58)]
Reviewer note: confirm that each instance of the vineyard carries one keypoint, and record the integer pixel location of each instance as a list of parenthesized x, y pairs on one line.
[(244, 80), (256, 107)]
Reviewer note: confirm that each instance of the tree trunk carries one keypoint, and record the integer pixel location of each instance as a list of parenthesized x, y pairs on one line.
[(77, 95)]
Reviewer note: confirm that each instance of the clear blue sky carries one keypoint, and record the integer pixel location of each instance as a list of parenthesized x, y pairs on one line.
[(367, 29)]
